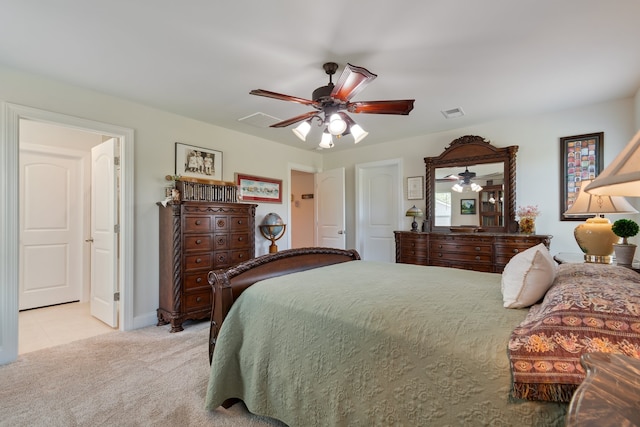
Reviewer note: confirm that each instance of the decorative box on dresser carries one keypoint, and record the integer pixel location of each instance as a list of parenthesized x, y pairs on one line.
[(482, 251), (196, 237)]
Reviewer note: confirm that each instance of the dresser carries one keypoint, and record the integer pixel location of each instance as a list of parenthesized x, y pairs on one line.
[(488, 252), (196, 237)]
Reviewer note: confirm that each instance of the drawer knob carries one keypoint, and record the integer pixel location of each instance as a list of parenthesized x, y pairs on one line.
[(199, 260), (241, 256), (478, 258), (198, 222), (240, 221), (477, 248), (198, 241), (439, 246), (199, 299), (413, 245), (515, 251), (240, 239), (440, 254), (199, 279)]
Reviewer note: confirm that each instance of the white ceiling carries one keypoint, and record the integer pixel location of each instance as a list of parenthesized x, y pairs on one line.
[(200, 59)]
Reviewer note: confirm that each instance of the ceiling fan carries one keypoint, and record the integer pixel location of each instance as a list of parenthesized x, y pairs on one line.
[(331, 102)]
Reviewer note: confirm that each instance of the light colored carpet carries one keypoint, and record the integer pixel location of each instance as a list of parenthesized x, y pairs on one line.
[(146, 377)]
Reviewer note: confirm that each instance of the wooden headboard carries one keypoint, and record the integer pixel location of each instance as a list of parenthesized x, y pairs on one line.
[(230, 283)]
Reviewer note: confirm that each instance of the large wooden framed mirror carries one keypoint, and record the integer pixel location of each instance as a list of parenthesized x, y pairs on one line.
[(468, 162)]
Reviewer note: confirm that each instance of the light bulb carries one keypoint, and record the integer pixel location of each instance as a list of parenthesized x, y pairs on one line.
[(302, 130), (336, 124), (358, 133)]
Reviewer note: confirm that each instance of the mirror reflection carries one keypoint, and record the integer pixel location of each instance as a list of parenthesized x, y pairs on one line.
[(469, 195)]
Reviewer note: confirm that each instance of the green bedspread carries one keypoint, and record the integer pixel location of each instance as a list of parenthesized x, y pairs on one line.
[(366, 343)]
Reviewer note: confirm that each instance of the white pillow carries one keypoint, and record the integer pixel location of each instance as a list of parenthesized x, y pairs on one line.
[(527, 277)]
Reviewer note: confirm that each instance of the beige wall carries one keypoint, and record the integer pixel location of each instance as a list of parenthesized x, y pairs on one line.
[(157, 131)]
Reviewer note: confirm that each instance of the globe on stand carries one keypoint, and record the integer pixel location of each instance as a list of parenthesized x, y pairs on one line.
[(272, 228)]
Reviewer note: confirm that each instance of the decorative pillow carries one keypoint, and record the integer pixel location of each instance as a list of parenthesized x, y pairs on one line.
[(527, 277), (590, 308)]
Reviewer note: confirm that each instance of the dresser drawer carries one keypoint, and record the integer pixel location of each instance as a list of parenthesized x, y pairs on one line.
[(197, 300), (220, 241), (197, 242), (239, 223), (239, 240), (196, 280), (470, 247), (197, 261), (483, 257), (414, 252), (197, 224)]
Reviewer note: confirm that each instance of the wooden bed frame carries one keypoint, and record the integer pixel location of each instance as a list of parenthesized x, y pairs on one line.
[(230, 283)]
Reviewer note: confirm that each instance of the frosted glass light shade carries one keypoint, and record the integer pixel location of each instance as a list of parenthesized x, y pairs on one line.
[(302, 130), (327, 140), (336, 125), (358, 133)]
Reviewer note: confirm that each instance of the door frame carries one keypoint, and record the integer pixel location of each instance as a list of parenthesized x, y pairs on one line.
[(300, 168), (10, 115), (397, 204)]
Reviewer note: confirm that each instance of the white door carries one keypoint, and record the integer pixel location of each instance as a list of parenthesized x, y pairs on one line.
[(330, 206), (103, 233), (378, 209), (51, 206)]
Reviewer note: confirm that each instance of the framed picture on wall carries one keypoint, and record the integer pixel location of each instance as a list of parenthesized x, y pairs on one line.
[(259, 189), (468, 207), (415, 188), (198, 162), (580, 159)]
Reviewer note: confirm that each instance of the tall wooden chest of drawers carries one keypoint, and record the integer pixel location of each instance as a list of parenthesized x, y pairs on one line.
[(488, 252), (196, 237)]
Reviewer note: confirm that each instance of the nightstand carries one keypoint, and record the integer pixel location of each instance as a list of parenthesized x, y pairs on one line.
[(577, 258), (610, 394)]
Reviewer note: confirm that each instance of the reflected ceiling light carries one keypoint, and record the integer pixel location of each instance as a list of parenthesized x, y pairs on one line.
[(465, 184), (302, 130)]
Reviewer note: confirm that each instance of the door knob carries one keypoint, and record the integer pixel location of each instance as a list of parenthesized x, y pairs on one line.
[(89, 240)]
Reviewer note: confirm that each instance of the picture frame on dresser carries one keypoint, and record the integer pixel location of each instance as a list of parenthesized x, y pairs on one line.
[(581, 158), (198, 162), (258, 189)]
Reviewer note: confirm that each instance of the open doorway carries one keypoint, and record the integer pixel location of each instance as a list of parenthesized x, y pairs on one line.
[(55, 199), (12, 114), (302, 218)]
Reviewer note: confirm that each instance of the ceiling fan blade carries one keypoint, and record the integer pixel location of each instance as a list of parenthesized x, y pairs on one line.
[(275, 95), (296, 119), (352, 80), (400, 106)]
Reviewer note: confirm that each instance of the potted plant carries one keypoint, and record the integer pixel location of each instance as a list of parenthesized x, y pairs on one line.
[(625, 251)]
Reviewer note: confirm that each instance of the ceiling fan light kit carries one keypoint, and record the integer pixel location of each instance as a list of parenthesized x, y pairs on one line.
[(331, 101)]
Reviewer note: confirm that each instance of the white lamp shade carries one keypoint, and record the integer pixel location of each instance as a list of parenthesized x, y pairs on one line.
[(358, 133), (589, 203), (302, 130), (336, 125), (622, 176), (327, 140)]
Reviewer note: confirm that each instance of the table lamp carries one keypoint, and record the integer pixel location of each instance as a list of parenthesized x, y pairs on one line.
[(594, 236), (414, 212)]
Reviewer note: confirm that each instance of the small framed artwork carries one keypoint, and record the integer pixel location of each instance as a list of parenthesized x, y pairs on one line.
[(258, 189), (198, 162), (580, 159), (468, 207), (415, 188)]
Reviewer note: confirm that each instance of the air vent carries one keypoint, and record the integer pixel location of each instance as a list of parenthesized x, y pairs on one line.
[(453, 113), (260, 120)]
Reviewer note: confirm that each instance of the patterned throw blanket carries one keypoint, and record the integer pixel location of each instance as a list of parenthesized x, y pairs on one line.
[(590, 308)]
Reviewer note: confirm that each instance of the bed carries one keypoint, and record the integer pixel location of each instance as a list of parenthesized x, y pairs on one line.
[(320, 337)]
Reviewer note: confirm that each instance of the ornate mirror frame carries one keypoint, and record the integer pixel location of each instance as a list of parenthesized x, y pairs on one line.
[(473, 150)]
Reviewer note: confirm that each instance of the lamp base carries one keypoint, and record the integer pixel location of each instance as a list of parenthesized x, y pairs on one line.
[(595, 238), (598, 259), (414, 226)]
